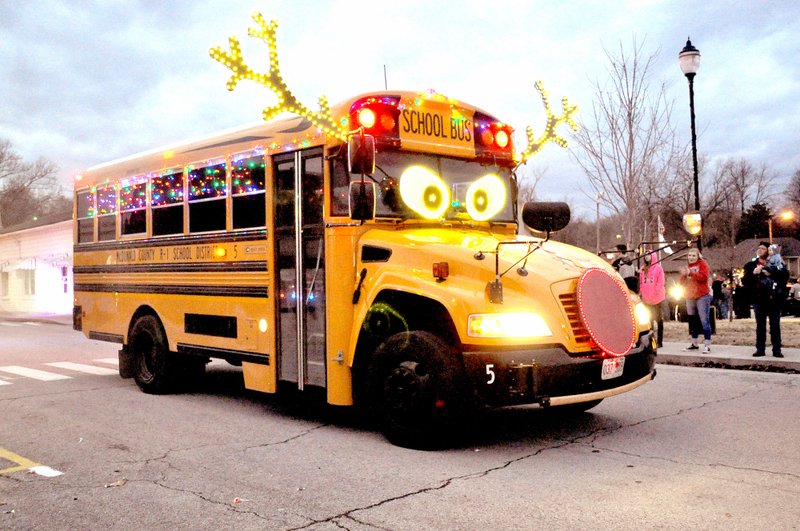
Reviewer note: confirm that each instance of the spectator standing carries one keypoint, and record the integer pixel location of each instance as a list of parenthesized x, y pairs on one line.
[(716, 293), (793, 301), (727, 299), (623, 263), (766, 285), (694, 278), (652, 288)]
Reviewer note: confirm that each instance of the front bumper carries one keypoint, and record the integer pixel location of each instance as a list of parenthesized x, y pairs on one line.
[(550, 376)]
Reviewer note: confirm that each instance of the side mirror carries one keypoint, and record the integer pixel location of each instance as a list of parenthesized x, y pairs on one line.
[(361, 154), (693, 223), (362, 200), (545, 217)]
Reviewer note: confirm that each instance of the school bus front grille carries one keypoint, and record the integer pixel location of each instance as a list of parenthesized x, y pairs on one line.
[(569, 301)]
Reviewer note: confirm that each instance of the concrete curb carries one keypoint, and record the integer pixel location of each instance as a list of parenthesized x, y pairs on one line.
[(730, 356)]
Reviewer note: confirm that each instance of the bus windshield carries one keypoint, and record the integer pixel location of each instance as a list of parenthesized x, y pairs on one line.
[(421, 186)]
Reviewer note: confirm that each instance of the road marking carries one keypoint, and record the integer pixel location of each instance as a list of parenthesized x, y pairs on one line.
[(26, 464), (5, 323), (110, 361), (3, 382), (36, 374), (80, 367)]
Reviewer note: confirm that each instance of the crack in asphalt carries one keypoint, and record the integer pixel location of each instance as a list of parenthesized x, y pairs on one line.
[(289, 439), (563, 443), (442, 485)]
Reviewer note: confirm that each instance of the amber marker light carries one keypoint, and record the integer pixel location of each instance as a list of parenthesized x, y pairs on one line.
[(441, 270), (220, 252)]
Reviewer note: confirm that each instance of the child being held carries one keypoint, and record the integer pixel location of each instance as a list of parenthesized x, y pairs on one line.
[(775, 259)]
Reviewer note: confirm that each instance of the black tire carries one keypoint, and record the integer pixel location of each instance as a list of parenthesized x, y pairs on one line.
[(154, 371), (416, 388), (574, 409)]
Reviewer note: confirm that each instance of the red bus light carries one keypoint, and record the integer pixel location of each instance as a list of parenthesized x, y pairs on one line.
[(378, 116), (493, 138)]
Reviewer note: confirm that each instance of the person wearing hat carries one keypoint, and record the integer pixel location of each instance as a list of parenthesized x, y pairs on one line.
[(766, 283), (623, 263)]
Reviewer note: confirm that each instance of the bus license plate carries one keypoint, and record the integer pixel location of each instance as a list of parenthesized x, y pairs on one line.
[(612, 367)]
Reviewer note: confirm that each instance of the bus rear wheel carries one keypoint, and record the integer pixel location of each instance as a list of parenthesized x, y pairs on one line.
[(416, 388), (153, 370)]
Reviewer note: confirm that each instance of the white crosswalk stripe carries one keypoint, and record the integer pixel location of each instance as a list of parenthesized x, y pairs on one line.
[(6, 323), (3, 382), (81, 367), (110, 361), (36, 374)]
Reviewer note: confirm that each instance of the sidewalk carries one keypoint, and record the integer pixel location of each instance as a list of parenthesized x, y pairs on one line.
[(61, 319), (729, 356)]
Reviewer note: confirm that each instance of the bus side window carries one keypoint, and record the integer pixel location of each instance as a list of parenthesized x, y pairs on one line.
[(133, 207), (207, 191), (106, 213), (85, 216), (247, 189), (166, 199)]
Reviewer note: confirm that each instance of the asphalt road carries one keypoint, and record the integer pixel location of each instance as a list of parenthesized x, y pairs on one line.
[(696, 448)]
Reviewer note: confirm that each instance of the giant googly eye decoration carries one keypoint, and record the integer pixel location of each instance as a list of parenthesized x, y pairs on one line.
[(486, 197), (424, 192)]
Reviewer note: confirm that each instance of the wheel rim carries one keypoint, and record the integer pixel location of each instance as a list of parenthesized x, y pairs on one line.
[(406, 395)]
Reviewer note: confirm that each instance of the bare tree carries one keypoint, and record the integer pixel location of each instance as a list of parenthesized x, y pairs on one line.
[(626, 146), (737, 184), (27, 189), (528, 178)]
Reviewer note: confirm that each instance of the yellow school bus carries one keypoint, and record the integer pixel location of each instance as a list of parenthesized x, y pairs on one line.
[(386, 268)]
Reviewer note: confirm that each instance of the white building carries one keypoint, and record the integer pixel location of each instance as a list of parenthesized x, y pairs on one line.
[(36, 267)]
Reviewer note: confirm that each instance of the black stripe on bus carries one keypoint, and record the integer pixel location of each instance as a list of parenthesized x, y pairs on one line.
[(202, 267), (168, 241), (103, 336), (210, 325), (210, 291), (210, 352)]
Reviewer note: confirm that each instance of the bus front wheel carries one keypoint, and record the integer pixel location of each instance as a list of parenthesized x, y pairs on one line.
[(416, 387), (148, 345)]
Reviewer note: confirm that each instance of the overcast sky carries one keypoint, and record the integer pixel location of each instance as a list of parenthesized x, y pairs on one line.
[(85, 82)]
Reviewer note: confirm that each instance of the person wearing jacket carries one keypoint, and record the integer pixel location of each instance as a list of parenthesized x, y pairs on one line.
[(653, 291), (694, 278), (766, 284)]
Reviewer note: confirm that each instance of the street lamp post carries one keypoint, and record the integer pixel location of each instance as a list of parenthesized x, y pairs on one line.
[(787, 215), (597, 219), (689, 59)]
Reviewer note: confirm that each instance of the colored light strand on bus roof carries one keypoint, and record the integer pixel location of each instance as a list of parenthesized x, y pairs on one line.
[(273, 81)]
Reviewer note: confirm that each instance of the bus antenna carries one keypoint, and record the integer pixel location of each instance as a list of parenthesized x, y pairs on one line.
[(385, 81)]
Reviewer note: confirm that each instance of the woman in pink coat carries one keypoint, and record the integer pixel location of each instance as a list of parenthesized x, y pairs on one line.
[(652, 289)]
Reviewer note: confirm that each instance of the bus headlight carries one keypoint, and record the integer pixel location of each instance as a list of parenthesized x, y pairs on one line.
[(522, 324), (642, 314)]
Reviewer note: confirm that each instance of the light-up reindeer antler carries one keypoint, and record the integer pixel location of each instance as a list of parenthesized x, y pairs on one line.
[(549, 135), (273, 80)]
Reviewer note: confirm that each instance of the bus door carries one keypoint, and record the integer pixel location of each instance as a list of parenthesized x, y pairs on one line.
[(300, 267)]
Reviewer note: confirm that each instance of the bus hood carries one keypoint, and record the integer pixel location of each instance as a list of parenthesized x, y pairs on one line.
[(476, 254)]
